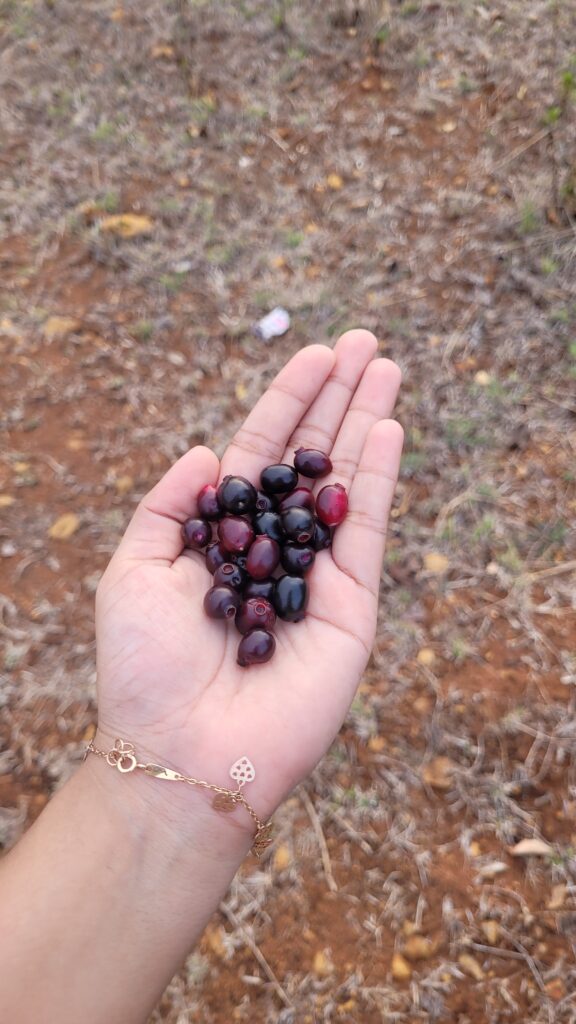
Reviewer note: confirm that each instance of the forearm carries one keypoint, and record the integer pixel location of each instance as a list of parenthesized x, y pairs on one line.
[(101, 903)]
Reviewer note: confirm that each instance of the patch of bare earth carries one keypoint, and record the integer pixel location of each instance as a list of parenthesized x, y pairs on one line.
[(408, 167)]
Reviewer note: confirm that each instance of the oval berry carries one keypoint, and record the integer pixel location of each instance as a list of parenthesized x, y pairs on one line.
[(230, 575), (263, 557), (255, 648), (196, 533), (312, 463), (332, 504), (254, 613), (322, 537), (270, 523), (297, 560), (237, 495), (300, 497), (235, 534), (264, 502), (215, 557), (260, 588), (278, 479), (221, 602), (208, 505), (291, 598), (298, 524)]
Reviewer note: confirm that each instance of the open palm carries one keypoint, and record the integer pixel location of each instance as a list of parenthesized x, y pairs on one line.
[(167, 675)]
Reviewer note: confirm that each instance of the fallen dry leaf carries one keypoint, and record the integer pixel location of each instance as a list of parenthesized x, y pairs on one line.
[(418, 947), (435, 562), (214, 939), (6, 500), (59, 327), (438, 772), (555, 989), (495, 867), (127, 225), (491, 930), (474, 849), (531, 848), (334, 181), (282, 858), (63, 527), (376, 744), (401, 969), (449, 126), (123, 484), (425, 656), (470, 966), (322, 965), (557, 897)]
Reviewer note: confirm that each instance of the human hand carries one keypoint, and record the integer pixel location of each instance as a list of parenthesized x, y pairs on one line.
[(167, 675)]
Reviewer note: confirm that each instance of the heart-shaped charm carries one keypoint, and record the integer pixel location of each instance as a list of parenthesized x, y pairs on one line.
[(242, 771)]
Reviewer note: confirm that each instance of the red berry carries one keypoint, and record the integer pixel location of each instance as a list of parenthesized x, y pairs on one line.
[(312, 463), (230, 575), (215, 556), (298, 524), (255, 648), (296, 559), (263, 557), (332, 504), (237, 495), (235, 534), (196, 533), (255, 612), (208, 506), (278, 479), (221, 602), (300, 497)]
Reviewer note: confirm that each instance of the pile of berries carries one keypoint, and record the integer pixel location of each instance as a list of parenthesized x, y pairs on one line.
[(265, 542)]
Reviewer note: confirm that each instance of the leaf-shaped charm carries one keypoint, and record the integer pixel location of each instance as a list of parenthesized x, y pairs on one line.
[(160, 772), (243, 771)]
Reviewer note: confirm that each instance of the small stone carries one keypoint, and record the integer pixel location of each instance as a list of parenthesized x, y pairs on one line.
[(401, 969)]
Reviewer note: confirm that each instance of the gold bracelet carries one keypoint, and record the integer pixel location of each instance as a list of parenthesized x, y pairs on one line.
[(123, 757)]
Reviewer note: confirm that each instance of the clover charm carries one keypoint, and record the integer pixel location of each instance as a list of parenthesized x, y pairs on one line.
[(122, 756)]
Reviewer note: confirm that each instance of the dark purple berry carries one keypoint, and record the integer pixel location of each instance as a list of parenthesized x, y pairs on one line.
[(270, 523), (312, 463), (215, 556), (230, 575), (196, 533), (239, 560), (254, 613), (255, 648), (322, 536), (332, 504), (260, 588), (208, 505), (221, 602), (291, 598), (278, 479), (296, 559), (263, 557), (264, 502), (301, 497), (235, 534), (298, 524), (237, 495)]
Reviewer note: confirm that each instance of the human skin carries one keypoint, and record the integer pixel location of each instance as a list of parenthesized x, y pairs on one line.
[(107, 892)]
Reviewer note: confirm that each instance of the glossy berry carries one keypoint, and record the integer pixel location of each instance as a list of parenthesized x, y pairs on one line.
[(270, 523), (208, 505), (196, 533), (239, 560), (237, 495), (300, 497), (255, 648), (254, 613), (332, 504), (264, 502), (297, 559), (278, 479), (260, 588), (298, 524), (235, 534), (215, 556), (263, 557), (230, 575), (221, 602), (312, 463), (322, 537), (291, 598)]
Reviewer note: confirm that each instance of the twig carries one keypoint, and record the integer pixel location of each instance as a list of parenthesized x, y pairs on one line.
[(522, 149), (257, 953), (326, 864), (350, 831)]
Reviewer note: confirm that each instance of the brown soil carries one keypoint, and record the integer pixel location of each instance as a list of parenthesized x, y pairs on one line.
[(389, 165)]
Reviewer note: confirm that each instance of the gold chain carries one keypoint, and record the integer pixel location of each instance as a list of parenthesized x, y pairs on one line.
[(123, 757)]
